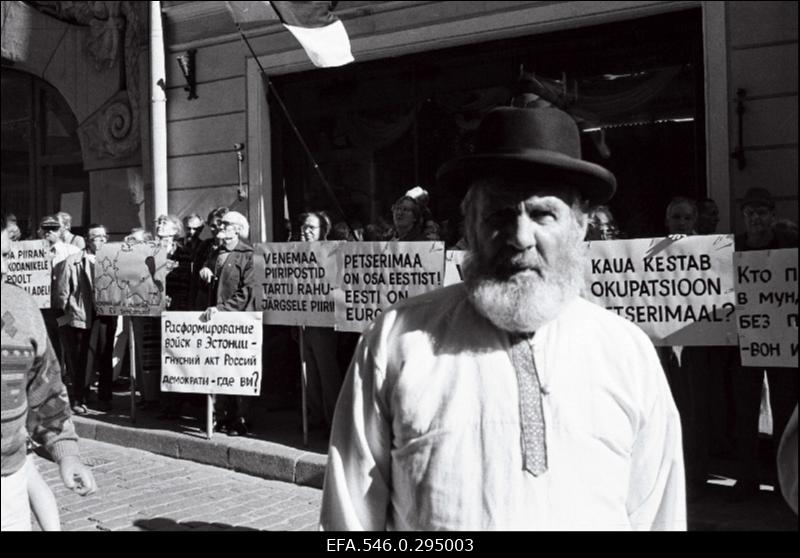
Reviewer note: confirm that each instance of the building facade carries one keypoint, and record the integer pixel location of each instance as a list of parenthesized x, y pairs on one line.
[(656, 86)]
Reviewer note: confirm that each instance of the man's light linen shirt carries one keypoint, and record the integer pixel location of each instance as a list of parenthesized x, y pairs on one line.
[(426, 433)]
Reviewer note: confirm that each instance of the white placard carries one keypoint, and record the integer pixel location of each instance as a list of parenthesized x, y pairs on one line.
[(375, 275), (30, 267), (766, 307), (222, 355), (295, 282), (680, 292), (453, 261)]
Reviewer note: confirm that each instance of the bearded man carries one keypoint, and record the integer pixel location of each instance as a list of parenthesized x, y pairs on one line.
[(508, 402)]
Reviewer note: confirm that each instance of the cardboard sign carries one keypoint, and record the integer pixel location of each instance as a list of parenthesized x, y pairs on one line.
[(766, 307), (30, 267), (375, 275), (222, 355), (453, 260), (295, 282), (680, 292), (130, 279)]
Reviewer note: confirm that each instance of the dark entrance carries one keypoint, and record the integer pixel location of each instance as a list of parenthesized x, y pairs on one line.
[(381, 127)]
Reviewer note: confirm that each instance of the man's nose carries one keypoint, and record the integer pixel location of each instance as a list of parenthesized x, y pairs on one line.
[(521, 232)]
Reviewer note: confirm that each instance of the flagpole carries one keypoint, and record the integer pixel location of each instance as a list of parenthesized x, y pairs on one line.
[(158, 108), (271, 87)]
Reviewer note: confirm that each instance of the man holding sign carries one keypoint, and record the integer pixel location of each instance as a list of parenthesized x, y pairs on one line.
[(229, 273), (758, 211), (507, 401)]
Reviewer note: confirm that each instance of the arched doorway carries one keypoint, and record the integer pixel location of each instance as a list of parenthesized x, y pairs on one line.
[(42, 167)]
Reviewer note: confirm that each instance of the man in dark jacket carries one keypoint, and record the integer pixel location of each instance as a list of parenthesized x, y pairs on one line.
[(230, 275), (758, 213), (85, 331)]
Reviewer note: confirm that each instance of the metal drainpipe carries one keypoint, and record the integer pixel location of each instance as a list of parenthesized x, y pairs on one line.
[(158, 115)]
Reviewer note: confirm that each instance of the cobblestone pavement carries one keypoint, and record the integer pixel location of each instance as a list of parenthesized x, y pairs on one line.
[(142, 491)]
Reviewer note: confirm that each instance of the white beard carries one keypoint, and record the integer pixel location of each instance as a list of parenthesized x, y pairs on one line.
[(526, 300)]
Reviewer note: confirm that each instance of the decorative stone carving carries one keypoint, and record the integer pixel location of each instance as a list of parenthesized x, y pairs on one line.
[(105, 22), (113, 131)]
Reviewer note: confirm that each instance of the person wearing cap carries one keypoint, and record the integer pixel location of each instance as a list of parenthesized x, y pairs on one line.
[(230, 275), (758, 212), (508, 402), (34, 403), (54, 317)]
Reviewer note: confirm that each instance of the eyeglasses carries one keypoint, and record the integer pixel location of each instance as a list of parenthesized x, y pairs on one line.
[(402, 209), (753, 212)]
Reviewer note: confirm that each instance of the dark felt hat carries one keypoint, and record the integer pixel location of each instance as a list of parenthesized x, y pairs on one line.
[(529, 144), (759, 197)]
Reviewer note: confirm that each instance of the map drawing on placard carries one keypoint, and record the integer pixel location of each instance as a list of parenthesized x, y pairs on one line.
[(130, 279)]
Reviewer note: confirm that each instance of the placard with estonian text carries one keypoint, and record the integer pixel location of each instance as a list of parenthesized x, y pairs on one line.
[(30, 267), (375, 275), (680, 292), (295, 282)]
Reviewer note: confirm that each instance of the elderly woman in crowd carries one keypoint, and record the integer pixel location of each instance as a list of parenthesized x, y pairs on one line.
[(323, 374), (602, 225), (408, 216)]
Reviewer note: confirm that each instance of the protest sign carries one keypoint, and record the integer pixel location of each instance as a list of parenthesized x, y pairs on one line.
[(453, 261), (130, 279), (295, 282), (680, 292), (30, 267), (766, 307), (374, 275), (222, 355)]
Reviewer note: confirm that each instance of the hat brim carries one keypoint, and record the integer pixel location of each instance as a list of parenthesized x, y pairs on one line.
[(596, 184)]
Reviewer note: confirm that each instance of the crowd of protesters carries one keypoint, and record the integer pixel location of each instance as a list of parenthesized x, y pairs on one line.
[(210, 264)]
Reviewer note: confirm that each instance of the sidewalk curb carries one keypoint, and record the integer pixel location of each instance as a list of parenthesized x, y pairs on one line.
[(259, 458)]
